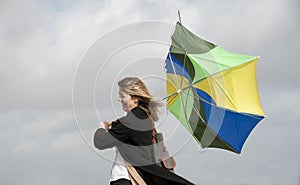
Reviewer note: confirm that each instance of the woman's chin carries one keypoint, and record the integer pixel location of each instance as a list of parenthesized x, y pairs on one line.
[(125, 109)]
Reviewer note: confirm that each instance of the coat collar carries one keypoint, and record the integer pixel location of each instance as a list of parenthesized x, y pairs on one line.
[(139, 112)]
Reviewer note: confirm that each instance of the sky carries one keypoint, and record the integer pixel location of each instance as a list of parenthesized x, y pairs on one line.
[(60, 61)]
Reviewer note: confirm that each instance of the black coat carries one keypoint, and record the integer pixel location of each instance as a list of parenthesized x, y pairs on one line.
[(132, 135)]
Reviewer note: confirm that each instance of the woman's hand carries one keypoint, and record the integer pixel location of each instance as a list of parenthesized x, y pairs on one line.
[(103, 124)]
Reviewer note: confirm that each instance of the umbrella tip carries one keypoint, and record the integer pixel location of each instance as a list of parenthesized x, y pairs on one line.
[(179, 17)]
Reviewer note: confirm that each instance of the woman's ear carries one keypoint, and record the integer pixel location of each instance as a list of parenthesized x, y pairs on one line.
[(135, 100)]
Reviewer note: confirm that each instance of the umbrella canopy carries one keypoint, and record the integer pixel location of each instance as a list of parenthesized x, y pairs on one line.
[(212, 92)]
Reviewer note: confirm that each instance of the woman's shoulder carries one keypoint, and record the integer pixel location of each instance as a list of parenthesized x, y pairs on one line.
[(136, 119)]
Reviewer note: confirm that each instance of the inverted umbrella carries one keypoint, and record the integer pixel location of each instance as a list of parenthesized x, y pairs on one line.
[(212, 92)]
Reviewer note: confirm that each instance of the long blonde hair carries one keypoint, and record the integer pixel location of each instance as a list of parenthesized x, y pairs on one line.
[(137, 88)]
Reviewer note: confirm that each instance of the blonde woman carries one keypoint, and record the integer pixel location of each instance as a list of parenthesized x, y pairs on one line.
[(132, 136)]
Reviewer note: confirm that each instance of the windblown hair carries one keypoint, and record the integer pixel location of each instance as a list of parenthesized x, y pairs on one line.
[(136, 88)]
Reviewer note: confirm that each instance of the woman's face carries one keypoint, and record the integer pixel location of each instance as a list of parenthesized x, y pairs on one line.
[(128, 102)]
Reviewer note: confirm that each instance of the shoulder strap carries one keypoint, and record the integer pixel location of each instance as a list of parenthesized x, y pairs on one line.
[(153, 133), (135, 177)]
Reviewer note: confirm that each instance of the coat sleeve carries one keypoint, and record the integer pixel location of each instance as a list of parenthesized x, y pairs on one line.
[(116, 135)]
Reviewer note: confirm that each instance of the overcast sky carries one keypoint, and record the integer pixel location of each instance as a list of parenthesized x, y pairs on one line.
[(47, 45)]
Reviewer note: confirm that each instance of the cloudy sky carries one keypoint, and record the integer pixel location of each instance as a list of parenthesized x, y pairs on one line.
[(51, 50)]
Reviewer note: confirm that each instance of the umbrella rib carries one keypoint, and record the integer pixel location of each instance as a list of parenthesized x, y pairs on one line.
[(243, 113), (182, 72), (185, 104), (178, 92), (173, 67), (172, 97), (224, 91), (207, 60), (199, 115), (193, 105), (184, 112), (221, 71)]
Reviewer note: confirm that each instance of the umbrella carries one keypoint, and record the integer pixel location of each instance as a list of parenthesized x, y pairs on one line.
[(211, 91)]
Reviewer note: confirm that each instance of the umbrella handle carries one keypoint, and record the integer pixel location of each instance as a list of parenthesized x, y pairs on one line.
[(109, 124)]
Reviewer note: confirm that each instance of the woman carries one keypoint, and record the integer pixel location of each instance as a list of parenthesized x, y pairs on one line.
[(132, 136)]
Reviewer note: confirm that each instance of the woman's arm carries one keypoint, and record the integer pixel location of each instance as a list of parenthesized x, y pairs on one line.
[(116, 135)]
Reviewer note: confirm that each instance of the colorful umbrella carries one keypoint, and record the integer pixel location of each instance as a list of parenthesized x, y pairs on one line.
[(212, 92)]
